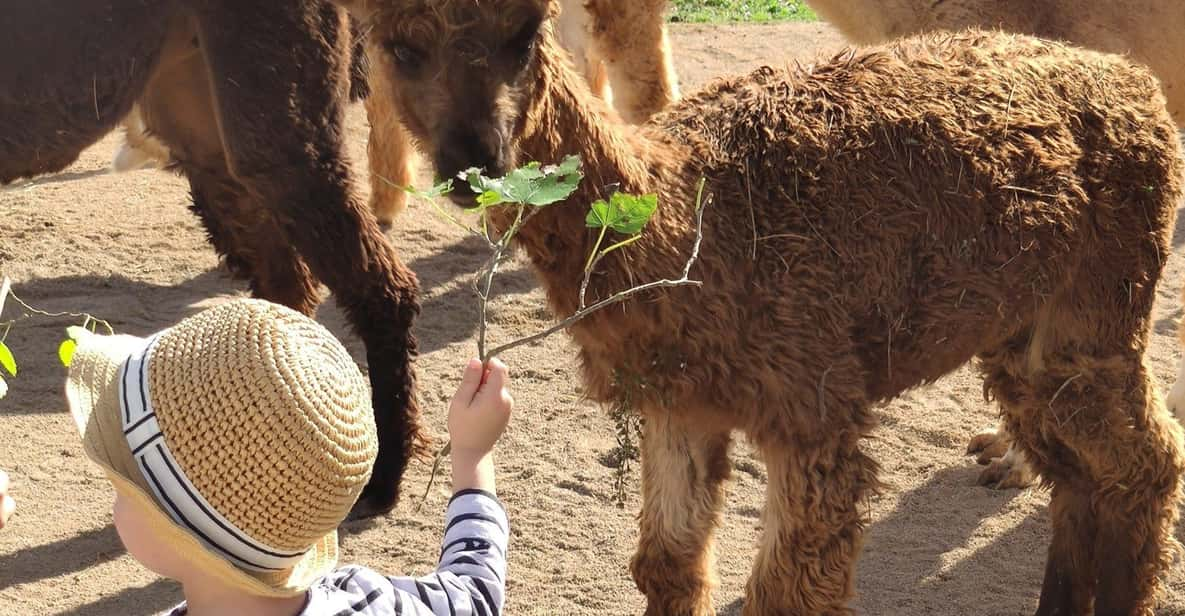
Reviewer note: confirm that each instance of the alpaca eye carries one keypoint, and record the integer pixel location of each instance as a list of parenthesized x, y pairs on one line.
[(406, 58)]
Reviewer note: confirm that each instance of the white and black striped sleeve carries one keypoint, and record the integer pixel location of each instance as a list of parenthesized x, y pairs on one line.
[(471, 577)]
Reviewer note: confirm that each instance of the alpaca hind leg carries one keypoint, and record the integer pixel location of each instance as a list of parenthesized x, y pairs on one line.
[(392, 157), (631, 38), (683, 470), (813, 526), (1007, 465), (289, 152), (139, 150), (1096, 430)]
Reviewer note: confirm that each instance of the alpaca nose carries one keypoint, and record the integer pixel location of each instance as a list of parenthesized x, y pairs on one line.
[(462, 149)]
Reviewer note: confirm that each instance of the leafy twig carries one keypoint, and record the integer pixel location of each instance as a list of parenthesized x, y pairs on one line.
[(529, 190)]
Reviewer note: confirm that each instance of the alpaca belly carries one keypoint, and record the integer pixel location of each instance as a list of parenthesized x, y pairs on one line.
[(71, 71)]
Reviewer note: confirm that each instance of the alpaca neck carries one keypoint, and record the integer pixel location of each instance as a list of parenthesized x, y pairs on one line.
[(567, 119), (866, 22)]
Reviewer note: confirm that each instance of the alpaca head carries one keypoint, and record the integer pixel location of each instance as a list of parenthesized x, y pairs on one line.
[(463, 73)]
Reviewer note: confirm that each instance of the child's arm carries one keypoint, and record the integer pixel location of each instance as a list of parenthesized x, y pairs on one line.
[(471, 577), (7, 505)]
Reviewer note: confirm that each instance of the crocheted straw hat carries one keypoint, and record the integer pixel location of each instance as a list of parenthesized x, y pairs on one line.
[(245, 431)]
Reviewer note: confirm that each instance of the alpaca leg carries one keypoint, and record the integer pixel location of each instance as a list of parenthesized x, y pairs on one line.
[(631, 38), (1095, 428), (1007, 466), (813, 525), (573, 29), (288, 152), (139, 149), (683, 470), (392, 158)]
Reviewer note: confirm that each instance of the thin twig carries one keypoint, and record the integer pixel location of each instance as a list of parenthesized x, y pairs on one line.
[(621, 296), (34, 311)]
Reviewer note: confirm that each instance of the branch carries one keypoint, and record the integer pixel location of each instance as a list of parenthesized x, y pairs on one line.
[(620, 296)]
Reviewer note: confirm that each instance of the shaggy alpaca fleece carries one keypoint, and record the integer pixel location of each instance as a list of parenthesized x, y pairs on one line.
[(876, 221)]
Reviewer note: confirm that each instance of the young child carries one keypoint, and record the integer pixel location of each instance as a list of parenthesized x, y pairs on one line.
[(238, 440)]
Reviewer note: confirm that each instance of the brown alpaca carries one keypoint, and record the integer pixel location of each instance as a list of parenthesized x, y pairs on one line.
[(1149, 31), (877, 221), (262, 147), (621, 47)]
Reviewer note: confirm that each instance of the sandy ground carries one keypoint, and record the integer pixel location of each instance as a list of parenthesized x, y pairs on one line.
[(125, 247)]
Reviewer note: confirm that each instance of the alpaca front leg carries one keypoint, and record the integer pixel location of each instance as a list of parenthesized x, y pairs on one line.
[(813, 527), (631, 39), (683, 471), (285, 142), (392, 157)]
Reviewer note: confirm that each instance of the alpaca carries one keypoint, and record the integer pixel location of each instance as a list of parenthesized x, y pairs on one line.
[(877, 220), (139, 150), (1147, 30), (620, 43), (262, 149), (621, 47)]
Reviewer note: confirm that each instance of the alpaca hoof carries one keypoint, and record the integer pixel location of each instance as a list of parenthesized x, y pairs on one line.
[(988, 446), (1005, 473), (372, 503)]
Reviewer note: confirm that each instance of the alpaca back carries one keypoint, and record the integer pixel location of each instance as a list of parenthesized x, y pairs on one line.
[(974, 174)]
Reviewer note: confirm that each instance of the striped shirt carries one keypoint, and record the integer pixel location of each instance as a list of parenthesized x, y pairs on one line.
[(469, 581)]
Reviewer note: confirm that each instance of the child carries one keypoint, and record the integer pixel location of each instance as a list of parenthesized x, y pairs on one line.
[(238, 440)]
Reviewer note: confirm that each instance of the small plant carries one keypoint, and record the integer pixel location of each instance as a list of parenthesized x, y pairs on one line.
[(527, 191), (65, 349)]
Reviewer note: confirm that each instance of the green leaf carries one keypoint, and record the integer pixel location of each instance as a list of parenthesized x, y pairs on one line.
[(66, 352), (625, 214), (532, 184), (7, 361), (636, 211)]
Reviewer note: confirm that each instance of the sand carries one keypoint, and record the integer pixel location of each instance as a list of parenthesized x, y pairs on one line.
[(126, 248)]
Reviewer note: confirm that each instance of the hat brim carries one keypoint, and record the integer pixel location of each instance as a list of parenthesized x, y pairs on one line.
[(92, 393)]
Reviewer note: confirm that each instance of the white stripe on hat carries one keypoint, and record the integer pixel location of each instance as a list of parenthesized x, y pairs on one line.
[(174, 492)]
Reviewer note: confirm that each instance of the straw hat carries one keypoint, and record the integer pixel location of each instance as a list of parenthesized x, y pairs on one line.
[(246, 431)]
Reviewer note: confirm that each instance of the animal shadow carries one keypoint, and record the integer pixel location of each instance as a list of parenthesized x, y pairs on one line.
[(906, 565)]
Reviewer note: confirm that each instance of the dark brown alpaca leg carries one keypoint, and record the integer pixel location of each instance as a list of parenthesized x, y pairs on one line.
[(683, 469), (1095, 428), (813, 524), (287, 151)]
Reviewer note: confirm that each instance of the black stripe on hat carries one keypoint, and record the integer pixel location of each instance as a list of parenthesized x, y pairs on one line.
[(185, 485), (177, 514)]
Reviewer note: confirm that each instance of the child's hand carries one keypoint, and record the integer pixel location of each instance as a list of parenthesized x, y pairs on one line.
[(7, 505), (480, 409), (477, 416)]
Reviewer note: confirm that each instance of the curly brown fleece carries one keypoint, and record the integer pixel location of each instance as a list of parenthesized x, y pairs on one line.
[(877, 220), (256, 126)]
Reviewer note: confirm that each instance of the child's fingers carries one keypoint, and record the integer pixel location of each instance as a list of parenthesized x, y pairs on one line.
[(496, 379), (470, 381)]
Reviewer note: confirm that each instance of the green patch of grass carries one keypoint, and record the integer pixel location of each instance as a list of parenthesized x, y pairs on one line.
[(703, 11)]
